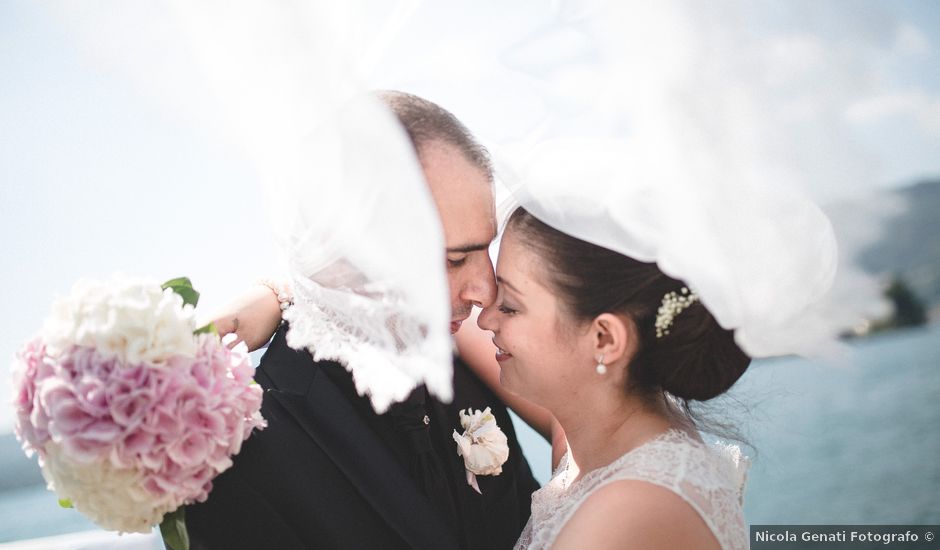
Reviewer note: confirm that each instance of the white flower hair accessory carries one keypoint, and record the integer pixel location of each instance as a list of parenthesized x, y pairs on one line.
[(672, 305), (482, 445)]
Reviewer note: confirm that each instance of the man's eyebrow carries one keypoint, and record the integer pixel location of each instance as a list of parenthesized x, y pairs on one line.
[(502, 281), (468, 248)]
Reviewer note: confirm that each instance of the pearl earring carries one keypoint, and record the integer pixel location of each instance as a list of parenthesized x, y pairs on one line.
[(601, 368)]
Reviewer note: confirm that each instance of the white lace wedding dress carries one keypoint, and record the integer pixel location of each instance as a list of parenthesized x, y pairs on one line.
[(709, 477)]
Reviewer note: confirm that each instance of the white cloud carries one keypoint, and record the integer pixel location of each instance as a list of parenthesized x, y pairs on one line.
[(916, 104), (795, 55), (911, 41)]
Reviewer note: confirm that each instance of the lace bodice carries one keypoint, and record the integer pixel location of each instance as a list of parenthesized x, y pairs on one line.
[(708, 477)]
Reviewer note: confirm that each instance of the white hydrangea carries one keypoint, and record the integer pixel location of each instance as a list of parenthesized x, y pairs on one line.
[(111, 497), (132, 318)]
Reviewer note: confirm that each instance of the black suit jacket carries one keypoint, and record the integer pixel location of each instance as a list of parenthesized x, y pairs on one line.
[(328, 472)]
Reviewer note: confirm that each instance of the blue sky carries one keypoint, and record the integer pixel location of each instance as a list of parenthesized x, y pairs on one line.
[(96, 176)]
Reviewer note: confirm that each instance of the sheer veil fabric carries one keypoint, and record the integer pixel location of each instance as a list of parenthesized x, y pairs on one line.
[(284, 82), (759, 257), (683, 151), (669, 131)]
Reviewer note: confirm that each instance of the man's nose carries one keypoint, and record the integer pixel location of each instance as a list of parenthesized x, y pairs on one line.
[(480, 286)]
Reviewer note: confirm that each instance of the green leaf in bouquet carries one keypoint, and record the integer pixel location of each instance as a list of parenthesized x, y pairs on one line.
[(65, 503), (207, 329), (184, 287), (173, 530)]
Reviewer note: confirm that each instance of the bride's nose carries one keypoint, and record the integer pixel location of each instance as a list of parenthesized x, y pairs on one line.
[(487, 319)]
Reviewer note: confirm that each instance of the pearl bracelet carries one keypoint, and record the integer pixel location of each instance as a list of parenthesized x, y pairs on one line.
[(281, 291)]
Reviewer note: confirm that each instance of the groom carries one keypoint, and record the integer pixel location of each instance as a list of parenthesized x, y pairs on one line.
[(328, 472)]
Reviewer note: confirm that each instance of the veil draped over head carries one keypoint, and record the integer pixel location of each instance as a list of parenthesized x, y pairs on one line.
[(759, 259), (351, 212), (689, 172)]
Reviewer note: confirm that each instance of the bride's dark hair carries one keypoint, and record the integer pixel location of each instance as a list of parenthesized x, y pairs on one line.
[(696, 361)]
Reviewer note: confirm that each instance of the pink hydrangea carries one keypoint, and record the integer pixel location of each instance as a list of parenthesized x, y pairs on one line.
[(167, 429)]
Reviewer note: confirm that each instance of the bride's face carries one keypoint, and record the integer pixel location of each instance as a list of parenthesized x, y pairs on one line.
[(544, 354)]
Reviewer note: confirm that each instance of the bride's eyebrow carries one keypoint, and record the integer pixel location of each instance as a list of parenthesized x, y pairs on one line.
[(503, 281)]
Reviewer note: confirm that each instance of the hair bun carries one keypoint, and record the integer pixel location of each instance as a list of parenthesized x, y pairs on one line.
[(699, 360)]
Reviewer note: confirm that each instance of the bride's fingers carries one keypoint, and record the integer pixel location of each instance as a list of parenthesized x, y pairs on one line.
[(231, 340)]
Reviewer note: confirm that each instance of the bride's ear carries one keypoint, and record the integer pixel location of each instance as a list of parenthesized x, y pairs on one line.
[(614, 337)]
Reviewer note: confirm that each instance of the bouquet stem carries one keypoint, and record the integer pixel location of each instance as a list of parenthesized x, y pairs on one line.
[(173, 529)]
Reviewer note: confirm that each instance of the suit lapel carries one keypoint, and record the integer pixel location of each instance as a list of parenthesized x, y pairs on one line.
[(330, 420)]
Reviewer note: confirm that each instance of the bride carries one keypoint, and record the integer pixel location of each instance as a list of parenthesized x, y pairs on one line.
[(615, 349)]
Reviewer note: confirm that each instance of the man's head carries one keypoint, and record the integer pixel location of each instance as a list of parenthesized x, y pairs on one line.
[(460, 177)]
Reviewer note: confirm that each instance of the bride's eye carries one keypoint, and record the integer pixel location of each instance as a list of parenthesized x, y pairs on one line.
[(503, 308)]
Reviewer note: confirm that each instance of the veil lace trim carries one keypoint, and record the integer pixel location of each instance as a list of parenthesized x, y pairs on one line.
[(382, 343)]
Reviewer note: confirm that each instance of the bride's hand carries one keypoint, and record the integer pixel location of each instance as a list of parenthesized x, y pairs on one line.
[(252, 317)]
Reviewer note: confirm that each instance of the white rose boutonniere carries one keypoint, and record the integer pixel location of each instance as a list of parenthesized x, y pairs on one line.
[(482, 445)]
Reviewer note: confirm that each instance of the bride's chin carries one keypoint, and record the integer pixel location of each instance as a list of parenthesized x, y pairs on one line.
[(504, 380), (507, 382)]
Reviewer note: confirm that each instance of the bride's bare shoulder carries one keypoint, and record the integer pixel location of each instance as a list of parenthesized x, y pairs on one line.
[(635, 514)]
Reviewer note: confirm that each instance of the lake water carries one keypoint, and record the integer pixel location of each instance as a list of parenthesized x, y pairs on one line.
[(857, 443)]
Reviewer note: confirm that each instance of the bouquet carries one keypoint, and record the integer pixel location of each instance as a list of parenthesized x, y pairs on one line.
[(132, 409)]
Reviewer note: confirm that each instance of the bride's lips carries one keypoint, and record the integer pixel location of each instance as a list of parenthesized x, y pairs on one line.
[(501, 355)]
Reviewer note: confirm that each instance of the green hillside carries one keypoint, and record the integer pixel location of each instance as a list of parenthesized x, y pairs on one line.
[(910, 245)]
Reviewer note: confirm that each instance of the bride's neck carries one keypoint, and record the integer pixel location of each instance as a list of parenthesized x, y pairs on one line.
[(601, 430)]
